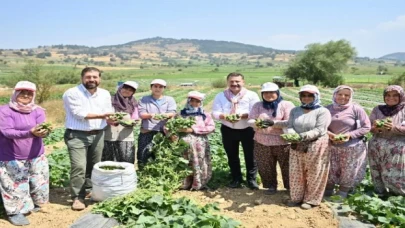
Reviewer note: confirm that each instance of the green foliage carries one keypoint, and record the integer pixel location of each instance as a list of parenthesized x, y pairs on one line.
[(384, 211), (398, 80), (174, 125), (59, 168), (152, 205), (55, 136), (292, 137), (44, 81), (219, 83), (142, 208), (322, 63)]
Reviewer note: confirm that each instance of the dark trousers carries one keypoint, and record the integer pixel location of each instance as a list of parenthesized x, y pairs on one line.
[(231, 139)]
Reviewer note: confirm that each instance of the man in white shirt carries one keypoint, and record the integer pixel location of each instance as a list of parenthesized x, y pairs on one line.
[(87, 107), (237, 100)]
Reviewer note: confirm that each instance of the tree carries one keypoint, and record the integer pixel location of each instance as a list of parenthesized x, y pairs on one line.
[(398, 80), (382, 69), (44, 81), (321, 63), (354, 69)]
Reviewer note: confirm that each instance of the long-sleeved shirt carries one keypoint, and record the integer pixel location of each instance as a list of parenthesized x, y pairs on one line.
[(203, 127), (221, 105), (398, 124), (16, 140), (270, 136), (311, 125), (352, 120), (79, 102), (121, 133), (148, 105)]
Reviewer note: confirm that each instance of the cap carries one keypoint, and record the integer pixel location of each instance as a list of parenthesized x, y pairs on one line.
[(310, 89), (131, 84), (159, 81), (25, 85), (197, 95), (269, 87)]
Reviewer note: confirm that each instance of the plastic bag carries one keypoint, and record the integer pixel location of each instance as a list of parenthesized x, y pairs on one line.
[(115, 182)]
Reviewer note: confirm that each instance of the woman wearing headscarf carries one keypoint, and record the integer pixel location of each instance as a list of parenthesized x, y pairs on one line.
[(198, 152), (24, 172), (387, 146), (309, 160), (348, 154), (269, 147), (119, 138)]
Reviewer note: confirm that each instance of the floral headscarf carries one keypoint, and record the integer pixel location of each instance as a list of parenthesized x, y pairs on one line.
[(392, 110)]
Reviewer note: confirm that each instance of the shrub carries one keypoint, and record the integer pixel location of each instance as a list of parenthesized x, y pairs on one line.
[(219, 83)]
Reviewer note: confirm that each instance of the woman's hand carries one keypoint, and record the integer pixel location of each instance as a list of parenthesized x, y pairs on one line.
[(388, 126), (331, 136), (39, 133), (186, 130), (345, 139)]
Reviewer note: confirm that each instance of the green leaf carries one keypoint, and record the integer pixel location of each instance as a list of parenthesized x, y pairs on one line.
[(383, 220)]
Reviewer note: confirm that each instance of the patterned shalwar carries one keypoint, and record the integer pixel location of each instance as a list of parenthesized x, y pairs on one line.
[(347, 166), (309, 172), (199, 156), (267, 157), (387, 164), (24, 183)]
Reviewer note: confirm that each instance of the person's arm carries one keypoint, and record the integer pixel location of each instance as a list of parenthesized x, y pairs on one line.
[(287, 107), (171, 107), (8, 130), (209, 126), (217, 110), (365, 124), (323, 120), (252, 101), (400, 127), (143, 110), (290, 123), (74, 104), (254, 114), (373, 118)]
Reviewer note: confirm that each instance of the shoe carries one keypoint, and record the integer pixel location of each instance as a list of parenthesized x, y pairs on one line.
[(293, 204), (88, 193), (18, 220), (36, 208), (328, 193), (252, 184), (306, 206), (271, 191), (78, 205), (235, 184), (342, 194)]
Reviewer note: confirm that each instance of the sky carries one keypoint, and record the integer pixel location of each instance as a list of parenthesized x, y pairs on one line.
[(374, 28)]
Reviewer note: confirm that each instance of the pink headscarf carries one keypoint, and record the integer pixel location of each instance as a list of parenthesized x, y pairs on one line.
[(28, 108), (337, 106)]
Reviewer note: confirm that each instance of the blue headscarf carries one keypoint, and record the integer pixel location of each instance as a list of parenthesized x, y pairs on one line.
[(272, 104), (189, 110), (314, 104)]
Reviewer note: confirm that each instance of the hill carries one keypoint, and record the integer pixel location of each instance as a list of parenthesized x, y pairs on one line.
[(400, 56), (155, 50)]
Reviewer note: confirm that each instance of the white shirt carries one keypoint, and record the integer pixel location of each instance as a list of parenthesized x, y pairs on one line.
[(79, 102), (221, 105)]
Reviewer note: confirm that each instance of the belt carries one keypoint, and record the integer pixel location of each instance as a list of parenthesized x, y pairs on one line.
[(92, 132)]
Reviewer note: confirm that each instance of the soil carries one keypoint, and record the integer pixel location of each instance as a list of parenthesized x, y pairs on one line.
[(253, 209)]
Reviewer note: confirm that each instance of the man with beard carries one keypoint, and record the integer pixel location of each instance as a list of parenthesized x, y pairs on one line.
[(237, 100), (87, 108)]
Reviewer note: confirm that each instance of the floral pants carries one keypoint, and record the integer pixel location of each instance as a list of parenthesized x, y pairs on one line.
[(387, 165), (199, 156), (24, 183), (347, 166), (309, 172)]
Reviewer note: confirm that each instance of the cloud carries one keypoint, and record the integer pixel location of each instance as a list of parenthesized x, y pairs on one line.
[(397, 24)]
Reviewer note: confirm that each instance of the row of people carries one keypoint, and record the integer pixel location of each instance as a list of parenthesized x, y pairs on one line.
[(308, 168)]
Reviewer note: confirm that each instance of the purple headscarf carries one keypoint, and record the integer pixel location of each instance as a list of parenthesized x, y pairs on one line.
[(392, 110), (123, 104)]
